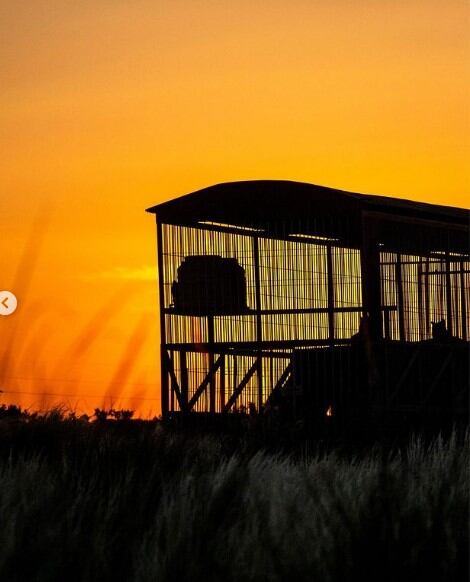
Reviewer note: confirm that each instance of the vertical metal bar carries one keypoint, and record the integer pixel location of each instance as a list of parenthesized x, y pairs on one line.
[(222, 382), (463, 302), (448, 294), (172, 392), (426, 298), (331, 295), (163, 355), (210, 337), (421, 332), (235, 373), (170, 362), (386, 316), (370, 275), (400, 303), (184, 379), (259, 338)]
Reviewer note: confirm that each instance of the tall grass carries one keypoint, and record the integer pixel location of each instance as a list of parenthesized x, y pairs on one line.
[(28, 377), (135, 501)]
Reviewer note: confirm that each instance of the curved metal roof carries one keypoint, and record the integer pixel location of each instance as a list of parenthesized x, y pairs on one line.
[(258, 201)]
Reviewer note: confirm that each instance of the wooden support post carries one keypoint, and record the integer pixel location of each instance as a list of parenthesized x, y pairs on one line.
[(400, 302), (370, 275), (210, 334), (421, 330), (386, 317), (235, 372), (175, 389), (426, 299), (184, 379), (463, 302), (222, 381), (449, 296), (259, 333), (164, 384), (371, 297), (331, 295)]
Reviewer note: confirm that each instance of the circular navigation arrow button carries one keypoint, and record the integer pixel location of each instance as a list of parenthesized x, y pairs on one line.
[(8, 303)]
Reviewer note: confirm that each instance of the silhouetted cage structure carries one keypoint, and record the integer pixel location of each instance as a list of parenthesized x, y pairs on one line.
[(324, 302)]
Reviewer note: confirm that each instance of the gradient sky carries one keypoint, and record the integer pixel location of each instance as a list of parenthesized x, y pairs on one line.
[(110, 106)]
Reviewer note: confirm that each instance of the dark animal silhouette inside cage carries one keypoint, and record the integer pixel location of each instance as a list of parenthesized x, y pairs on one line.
[(280, 293)]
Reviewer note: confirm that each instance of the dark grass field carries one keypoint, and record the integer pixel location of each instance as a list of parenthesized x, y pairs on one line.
[(133, 500)]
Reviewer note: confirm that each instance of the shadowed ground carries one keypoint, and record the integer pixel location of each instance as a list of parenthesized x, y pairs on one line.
[(133, 500)]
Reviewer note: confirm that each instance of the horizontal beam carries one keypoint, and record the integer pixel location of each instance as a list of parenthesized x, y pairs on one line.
[(344, 240), (401, 219), (436, 273), (230, 351), (249, 347), (293, 311)]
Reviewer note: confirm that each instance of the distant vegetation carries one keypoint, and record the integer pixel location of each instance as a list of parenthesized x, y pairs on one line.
[(127, 500)]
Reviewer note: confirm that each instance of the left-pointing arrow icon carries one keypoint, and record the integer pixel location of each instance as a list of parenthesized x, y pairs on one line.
[(8, 303)]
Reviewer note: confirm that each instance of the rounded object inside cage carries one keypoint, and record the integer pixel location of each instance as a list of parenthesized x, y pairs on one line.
[(209, 285)]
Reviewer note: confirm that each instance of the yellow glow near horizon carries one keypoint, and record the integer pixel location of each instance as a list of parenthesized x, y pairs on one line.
[(110, 107)]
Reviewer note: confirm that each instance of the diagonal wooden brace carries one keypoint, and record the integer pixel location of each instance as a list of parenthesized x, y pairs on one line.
[(174, 383), (239, 389), (280, 383), (205, 382)]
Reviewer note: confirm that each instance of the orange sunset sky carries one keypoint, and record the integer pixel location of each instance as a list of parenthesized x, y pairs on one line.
[(111, 106)]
